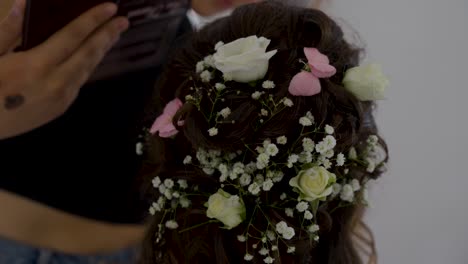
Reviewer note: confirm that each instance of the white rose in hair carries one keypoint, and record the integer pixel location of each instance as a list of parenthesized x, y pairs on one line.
[(245, 59), (314, 183), (366, 82), (227, 208)]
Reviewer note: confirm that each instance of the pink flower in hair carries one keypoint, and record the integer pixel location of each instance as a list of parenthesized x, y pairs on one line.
[(164, 123), (307, 83)]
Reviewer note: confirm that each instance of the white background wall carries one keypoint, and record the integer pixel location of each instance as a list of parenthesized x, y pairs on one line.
[(420, 207)]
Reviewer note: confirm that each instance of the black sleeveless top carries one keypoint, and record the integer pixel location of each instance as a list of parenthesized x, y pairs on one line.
[(85, 162)]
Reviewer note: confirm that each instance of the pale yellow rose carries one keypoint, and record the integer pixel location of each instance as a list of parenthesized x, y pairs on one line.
[(314, 183), (227, 208), (244, 60), (367, 82)]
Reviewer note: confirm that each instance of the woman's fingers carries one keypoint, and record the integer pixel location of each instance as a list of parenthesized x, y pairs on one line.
[(64, 43), (11, 27)]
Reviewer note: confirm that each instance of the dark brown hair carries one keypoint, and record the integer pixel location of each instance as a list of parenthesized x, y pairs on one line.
[(290, 29)]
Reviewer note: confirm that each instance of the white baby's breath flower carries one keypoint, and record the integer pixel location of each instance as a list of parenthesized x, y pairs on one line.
[(219, 44), (187, 160), (223, 178), (248, 257), (271, 235), (268, 260), (176, 195), (329, 129), (227, 77), (340, 160), (266, 142), (169, 183), (370, 165), (347, 193), (372, 140), (352, 153), (292, 159), (365, 195), (168, 194), (267, 185), (209, 61), (263, 251), (288, 233), (281, 227), (238, 168), (321, 147), (139, 148), (313, 228), (288, 102), (206, 76), (260, 150), (220, 86), (330, 142), (162, 189), (302, 206), (310, 116), (283, 196), (200, 66), (254, 188), (171, 224), (282, 140), (289, 212), (264, 112), (278, 176), (355, 184), (336, 189), (291, 250), (254, 246), (262, 161), (208, 171), (152, 211), (184, 202), (329, 154), (213, 131), (259, 179), (183, 184), (304, 121), (256, 95), (308, 144), (271, 150), (189, 98), (156, 182), (268, 85), (305, 157), (225, 112), (245, 179), (241, 238), (308, 215), (316, 238), (326, 163), (250, 168), (274, 248)]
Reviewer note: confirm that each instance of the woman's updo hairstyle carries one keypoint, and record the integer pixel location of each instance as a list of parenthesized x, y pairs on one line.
[(290, 29)]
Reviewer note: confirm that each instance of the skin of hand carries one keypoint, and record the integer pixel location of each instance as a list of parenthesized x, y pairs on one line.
[(39, 85)]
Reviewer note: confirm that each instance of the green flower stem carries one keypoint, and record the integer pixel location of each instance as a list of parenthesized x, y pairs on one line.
[(197, 226)]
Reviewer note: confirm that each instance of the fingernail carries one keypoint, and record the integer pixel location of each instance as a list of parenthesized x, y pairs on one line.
[(123, 24), (110, 9)]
